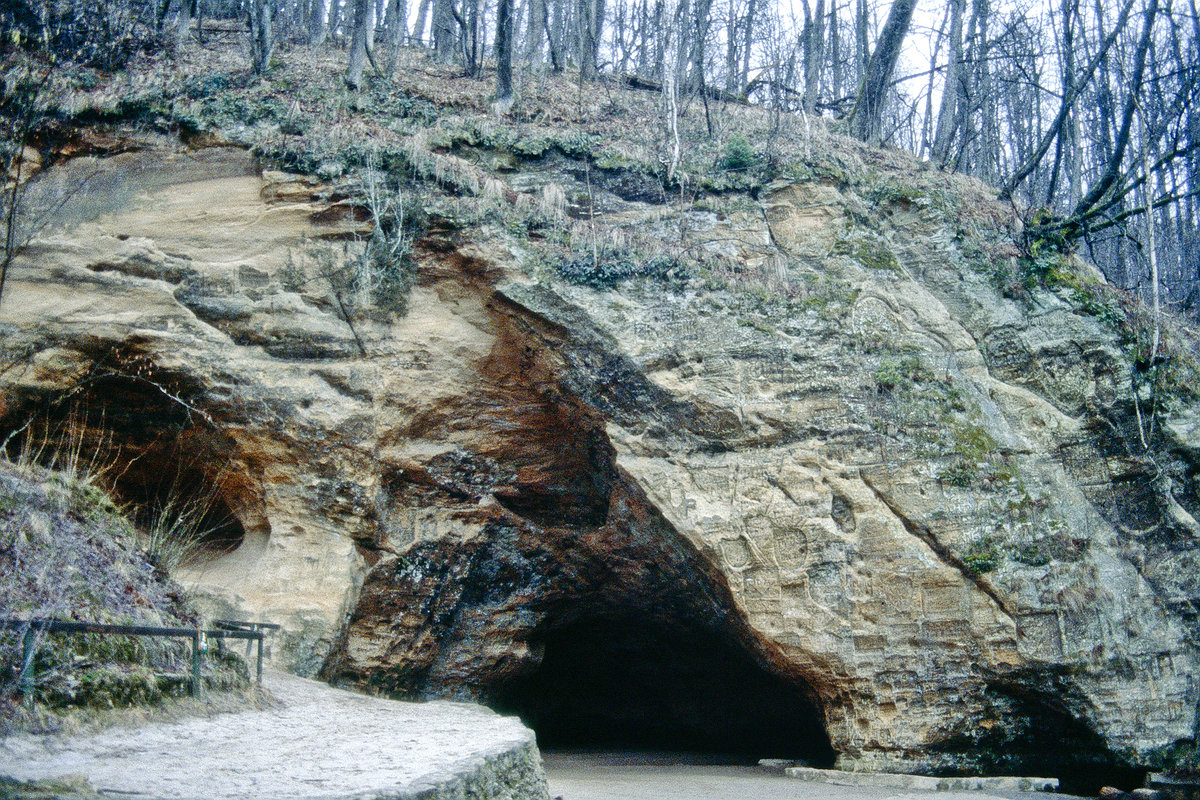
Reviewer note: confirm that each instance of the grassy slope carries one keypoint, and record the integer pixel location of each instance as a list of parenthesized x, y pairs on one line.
[(67, 552)]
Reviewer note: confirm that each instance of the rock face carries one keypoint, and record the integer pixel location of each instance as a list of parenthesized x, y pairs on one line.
[(847, 501)]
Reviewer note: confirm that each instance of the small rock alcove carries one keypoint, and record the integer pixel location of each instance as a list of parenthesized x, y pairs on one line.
[(638, 682), (190, 505), (128, 429)]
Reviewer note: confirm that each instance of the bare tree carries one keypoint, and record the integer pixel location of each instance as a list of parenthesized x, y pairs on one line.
[(1112, 169), (1068, 99), (814, 52), (358, 43), (504, 48), (418, 30), (534, 31), (590, 20), (316, 23), (867, 117), (954, 93), (444, 38), (262, 34)]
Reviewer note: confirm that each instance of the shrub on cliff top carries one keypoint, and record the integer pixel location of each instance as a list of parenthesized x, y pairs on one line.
[(606, 271), (738, 155)]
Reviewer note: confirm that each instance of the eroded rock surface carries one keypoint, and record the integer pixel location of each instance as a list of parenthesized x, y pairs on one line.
[(850, 500)]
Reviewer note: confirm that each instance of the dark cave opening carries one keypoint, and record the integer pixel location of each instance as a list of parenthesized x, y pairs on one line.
[(1038, 736), (167, 466), (634, 683), (189, 511)]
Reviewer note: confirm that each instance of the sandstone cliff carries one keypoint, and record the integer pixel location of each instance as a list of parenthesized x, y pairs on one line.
[(823, 477)]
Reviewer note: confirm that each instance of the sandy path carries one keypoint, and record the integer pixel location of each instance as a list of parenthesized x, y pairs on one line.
[(607, 776)]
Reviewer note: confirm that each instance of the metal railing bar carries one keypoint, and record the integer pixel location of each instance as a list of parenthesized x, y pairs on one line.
[(225, 629), (64, 626)]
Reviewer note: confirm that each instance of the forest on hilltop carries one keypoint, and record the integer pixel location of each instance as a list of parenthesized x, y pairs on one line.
[(1083, 114)]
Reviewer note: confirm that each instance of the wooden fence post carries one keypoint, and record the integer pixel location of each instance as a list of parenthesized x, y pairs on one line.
[(26, 678), (197, 656)]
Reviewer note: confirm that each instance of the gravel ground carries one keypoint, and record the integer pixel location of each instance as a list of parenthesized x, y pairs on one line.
[(320, 743), (625, 776)]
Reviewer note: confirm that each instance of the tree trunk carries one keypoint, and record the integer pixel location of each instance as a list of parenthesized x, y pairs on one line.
[(590, 17), (1061, 143), (160, 17), (479, 35), (554, 35), (504, 35), (660, 40), (262, 34), (683, 49), (335, 17), (397, 28), (731, 49), (835, 53), (700, 25), (444, 38), (394, 17), (989, 138), (862, 40), (955, 90), (187, 9), (925, 147), (418, 31), (814, 52), (316, 23), (358, 44), (747, 46), (470, 35), (533, 31), (867, 117)]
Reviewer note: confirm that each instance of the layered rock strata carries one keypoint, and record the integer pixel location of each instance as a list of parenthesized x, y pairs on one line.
[(849, 475)]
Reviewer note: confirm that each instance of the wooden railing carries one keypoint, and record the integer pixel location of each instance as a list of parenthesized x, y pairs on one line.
[(252, 632)]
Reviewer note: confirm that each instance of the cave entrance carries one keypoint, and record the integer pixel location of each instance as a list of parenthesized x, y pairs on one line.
[(168, 467), (632, 682)]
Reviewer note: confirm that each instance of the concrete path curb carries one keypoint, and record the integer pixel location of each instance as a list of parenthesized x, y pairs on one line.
[(320, 744), (891, 780)]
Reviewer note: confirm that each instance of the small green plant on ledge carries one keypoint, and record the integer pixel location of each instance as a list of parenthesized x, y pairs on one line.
[(973, 448), (607, 269), (1032, 554), (1043, 251), (983, 556), (869, 251), (960, 474), (895, 372)]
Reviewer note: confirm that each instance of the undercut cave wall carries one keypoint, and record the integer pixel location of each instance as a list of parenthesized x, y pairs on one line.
[(613, 635), (521, 558), (133, 430)]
